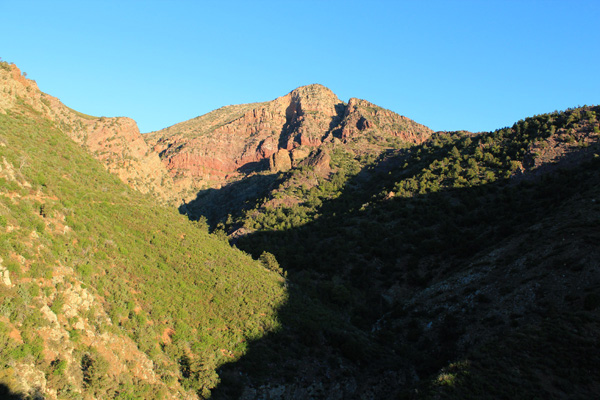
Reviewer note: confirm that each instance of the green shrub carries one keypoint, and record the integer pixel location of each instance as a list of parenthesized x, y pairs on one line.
[(94, 369), (57, 304), (58, 367), (269, 261)]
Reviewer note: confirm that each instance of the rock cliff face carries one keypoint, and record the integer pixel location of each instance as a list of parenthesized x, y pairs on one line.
[(280, 161), (116, 142), (226, 143)]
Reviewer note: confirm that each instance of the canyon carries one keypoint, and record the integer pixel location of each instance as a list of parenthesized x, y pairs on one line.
[(299, 248)]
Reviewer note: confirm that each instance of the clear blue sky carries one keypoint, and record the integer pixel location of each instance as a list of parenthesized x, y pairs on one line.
[(475, 65)]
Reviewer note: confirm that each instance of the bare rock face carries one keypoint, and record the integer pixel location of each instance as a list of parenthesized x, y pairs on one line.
[(236, 139), (226, 143), (298, 154), (280, 161), (4, 275), (320, 162), (116, 142)]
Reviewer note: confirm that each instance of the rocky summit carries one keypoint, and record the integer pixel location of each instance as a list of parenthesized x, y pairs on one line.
[(232, 141)]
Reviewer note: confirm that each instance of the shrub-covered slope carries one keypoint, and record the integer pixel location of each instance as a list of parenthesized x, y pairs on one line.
[(104, 293), (452, 265), (465, 267)]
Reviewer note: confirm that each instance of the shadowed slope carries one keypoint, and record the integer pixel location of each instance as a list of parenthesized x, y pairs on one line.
[(457, 280)]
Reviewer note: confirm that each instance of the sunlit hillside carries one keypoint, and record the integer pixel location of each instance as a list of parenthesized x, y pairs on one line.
[(104, 293)]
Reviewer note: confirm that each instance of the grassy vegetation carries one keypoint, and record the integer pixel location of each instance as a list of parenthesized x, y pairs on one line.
[(152, 271), (82, 115)]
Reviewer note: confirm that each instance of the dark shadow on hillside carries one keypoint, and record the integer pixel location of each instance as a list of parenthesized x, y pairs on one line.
[(342, 336), (216, 204), (7, 394), (257, 166), (335, 127), (293, 123)]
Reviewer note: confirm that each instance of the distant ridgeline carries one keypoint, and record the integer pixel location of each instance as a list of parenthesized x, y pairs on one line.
[(390, 261)]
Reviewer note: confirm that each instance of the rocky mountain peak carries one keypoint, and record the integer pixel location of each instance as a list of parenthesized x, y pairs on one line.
[(315, 98), (230, 142)]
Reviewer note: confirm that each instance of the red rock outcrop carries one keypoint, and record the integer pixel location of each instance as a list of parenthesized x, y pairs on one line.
[(280, 161), (320, 162), (234, 140)]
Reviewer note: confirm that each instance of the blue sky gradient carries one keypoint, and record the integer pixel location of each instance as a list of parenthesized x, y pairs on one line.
[(474, 65)]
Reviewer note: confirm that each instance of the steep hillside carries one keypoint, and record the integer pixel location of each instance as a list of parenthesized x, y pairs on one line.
[(230, 142), (114, 141), (103, 293)]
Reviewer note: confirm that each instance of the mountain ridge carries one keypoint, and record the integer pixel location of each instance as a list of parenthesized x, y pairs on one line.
[(104, 291), (245, 138)]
